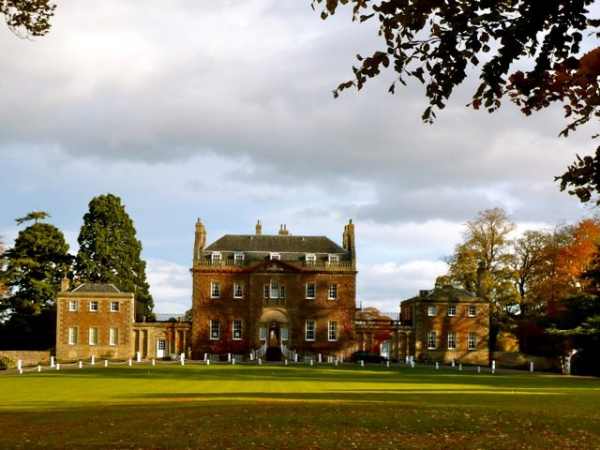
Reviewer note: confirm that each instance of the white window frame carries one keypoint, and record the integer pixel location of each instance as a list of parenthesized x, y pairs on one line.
[(238, 259), (266, 290), (215, 330), (452, 310), (310, 330), (215, 289), (275, 256), (285, 333), (452, 340), (115, 306), (472, 340), (333, 291), (472, 310), (311, 259), (282, 291), (215, 258), (94, 336), (113, 336), (333, 259), (94, 306), (238, 290), (431, 340), (73, 335), (312, 286), (332, 331), (431, 310), (273, 289), (73, 305), (236, 330), (262, 334)]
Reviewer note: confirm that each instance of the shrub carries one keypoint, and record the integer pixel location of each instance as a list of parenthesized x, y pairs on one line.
[(7, 362)]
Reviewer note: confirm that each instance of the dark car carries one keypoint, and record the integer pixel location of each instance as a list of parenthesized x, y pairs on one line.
[(367, 357)]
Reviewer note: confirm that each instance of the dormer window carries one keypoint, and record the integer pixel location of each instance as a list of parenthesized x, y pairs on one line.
[(311, 259), (238, 258), (215, 258), (275, 256), (334, 259)]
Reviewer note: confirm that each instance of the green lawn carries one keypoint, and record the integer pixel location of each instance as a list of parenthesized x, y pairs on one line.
[(303, 407)]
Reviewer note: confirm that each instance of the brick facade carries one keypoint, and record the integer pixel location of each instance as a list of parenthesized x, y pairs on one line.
[(255, 290), (94, 320), (448, 324)]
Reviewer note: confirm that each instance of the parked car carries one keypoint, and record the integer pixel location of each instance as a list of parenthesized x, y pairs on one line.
[(367, 357)]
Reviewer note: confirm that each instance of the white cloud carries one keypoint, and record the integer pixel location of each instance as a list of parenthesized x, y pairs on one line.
[(170, 286), (386, 285)]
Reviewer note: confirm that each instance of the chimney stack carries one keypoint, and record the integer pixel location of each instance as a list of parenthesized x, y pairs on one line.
[(258, 228), (283, 231)]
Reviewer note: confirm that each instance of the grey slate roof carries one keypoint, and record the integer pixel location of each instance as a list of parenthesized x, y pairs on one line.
[(275, 243), (92, 287), (446, 293)]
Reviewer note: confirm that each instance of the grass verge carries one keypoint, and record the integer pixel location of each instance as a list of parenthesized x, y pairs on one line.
[(289, 407)]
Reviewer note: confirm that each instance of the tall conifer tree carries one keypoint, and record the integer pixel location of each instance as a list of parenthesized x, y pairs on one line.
[(31, 274), (109, 251)]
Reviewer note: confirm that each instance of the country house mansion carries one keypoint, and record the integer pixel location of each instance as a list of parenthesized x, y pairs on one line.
[(279, 295)]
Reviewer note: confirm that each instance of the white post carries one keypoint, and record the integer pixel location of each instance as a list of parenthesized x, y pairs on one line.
[(182, 357), (129, 362), (19, 364), (342, 359), (437, 365), (93, 360), (208, 362), (362, 363), (453, 363), (106, 363), (286, 361), (205, 357), (493, 367), (412, 363), (228, 357), (260, 361), (460, 367), (57, 366), (138, 356), (39, 368), (311, 362), (320, 360), (52, 361), (153, 362), (233, 361), (182, 360), (80, 364), (478, 369), (387, 363), (296, 357), (531, 366), (20, 371)]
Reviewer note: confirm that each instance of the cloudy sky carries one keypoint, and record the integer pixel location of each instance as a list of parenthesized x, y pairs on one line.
[(224, 111)]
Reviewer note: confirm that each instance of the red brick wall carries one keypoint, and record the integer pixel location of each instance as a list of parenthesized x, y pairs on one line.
[(296, 307)]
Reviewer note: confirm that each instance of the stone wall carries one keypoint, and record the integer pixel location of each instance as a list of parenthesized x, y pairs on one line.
[(29, 358)]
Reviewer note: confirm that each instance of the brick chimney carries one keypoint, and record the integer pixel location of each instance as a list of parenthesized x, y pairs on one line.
[(258, 228)]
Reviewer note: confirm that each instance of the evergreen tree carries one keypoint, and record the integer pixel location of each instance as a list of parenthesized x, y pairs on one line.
[(32, 272), (109, 251)]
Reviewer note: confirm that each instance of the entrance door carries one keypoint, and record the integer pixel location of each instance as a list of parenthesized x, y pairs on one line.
[(274, 336), (161, 346)]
